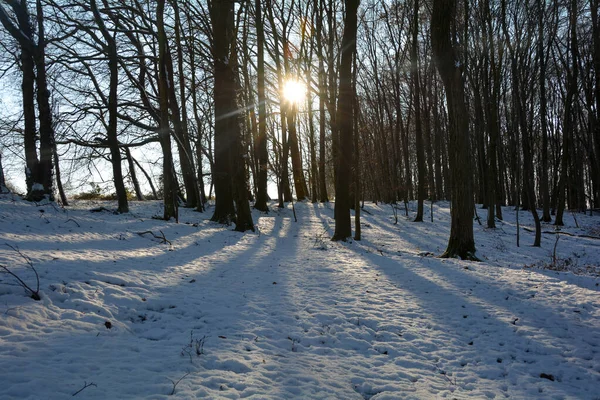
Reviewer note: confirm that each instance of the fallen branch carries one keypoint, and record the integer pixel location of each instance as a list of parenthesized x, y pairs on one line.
[(563, 233), (99, 209), (76, 223), (85, 386), (163, 238)]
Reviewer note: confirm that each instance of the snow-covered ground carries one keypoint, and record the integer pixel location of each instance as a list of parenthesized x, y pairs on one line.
[(286, 313)]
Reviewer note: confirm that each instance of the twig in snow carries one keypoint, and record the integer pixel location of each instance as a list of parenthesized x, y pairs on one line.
[(176, 383), (448, 378), (8, 309), (76, 223), (85, 386), (34, 294), (163, 238)]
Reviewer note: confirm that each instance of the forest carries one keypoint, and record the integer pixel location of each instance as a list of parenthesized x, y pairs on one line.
[(281, 199), (488, 102)]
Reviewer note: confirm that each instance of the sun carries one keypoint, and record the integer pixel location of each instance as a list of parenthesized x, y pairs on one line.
[(294, 91)]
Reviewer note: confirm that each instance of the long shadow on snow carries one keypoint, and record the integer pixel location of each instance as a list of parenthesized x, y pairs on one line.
[(461, 330)]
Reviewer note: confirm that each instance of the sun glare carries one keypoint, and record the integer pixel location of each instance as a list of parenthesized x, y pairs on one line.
[(294, 91)]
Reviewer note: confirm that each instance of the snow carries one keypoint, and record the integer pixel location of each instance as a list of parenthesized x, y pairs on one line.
[(286, 313)]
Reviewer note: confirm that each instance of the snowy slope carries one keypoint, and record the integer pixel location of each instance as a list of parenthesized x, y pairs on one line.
[(286, 313)]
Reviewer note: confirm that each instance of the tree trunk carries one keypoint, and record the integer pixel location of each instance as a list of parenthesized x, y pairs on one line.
[(261, 142), (543, 115), (134, 179), (169, 182), (314, 174), (230, 175), (461, 242), (59, 185), (111, 133), (596, 132), (414, 72), (199, 174), (322, 98), (24, 35), (221, 14), (148, 178), (297, 171), (186, 155), (45, 112), (343, 227), (568, 118)]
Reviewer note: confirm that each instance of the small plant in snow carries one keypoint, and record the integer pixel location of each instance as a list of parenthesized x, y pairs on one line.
[(34, 294), (294, 343), (320, 243), (196, 346)]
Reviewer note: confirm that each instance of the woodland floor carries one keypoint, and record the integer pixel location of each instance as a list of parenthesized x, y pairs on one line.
[(286, 313)]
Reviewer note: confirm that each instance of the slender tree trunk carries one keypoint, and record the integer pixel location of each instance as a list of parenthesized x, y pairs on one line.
[(29, 120), (198, 120), (184, 146), (261, 142), (596, 132), (3, 188), (414, 72), (543, 115), (169, 182), (356, 166), (313, 149), (111, 133), (322, 99), (439, 186), (491, 95), (45, 112), (148, 178), (59, 185), (297, 172), (134, 179), (568, 118)]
